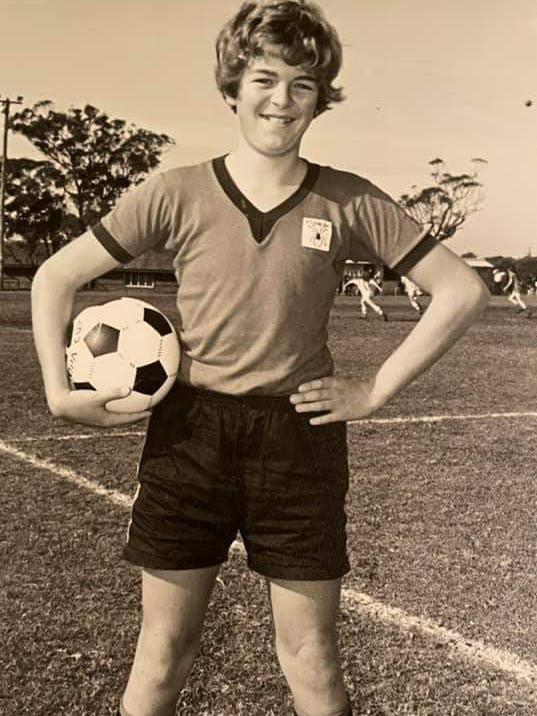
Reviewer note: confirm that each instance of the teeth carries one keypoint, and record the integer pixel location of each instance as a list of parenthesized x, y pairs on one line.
[(279, 120)]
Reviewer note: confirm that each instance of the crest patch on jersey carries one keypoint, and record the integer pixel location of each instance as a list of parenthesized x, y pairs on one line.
[(316, 234)]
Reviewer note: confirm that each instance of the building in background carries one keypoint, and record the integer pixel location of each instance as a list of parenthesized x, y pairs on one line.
[(153, 271)]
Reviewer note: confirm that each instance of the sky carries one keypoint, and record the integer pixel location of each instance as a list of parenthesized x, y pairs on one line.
[(422, 79)]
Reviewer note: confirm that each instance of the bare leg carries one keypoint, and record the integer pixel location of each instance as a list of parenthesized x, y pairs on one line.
[(414, 303), (304, 616), (515, 299), (378, 310), (174, 607)]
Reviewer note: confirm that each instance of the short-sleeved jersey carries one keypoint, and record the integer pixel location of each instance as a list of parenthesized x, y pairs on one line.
[(255, 288), (364, 287)]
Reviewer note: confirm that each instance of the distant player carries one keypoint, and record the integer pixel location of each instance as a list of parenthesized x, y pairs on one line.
[(367, 286), (412, 291), (510, 286)]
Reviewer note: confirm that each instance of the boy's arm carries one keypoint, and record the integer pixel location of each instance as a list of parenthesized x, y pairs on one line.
[(458, 297), (377, 286), (53, 292)]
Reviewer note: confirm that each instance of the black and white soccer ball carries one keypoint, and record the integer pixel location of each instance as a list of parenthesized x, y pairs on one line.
[(123, 343)]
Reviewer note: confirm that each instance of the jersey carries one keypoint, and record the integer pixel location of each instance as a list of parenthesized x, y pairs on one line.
[(364, 287), (255, 288)]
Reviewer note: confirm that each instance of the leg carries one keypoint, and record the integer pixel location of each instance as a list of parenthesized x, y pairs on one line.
[(378, 310), (174, 606), (516, 300), (373, 305), (304, 614), (414, 303)]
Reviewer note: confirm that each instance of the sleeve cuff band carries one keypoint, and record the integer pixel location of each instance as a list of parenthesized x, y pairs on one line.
[(106, 239), (415, 255)]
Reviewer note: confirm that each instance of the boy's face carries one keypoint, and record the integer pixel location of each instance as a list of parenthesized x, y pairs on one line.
[(275, 104)]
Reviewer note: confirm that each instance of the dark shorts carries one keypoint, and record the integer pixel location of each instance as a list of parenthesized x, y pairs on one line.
[(216, 465)]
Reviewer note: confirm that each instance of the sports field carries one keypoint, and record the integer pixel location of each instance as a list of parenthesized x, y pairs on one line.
[(439, 614)]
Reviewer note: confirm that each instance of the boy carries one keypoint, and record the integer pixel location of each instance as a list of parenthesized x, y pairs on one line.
[(367, 286), (412, 291), (253, 437), (510, 285)]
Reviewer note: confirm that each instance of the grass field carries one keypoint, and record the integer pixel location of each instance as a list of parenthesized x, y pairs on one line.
[(439, 613)]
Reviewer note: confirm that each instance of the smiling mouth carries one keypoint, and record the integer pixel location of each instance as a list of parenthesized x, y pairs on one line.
[(277, 119)]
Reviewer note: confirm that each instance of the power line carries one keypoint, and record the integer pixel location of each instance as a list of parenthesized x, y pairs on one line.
[(6, 102)]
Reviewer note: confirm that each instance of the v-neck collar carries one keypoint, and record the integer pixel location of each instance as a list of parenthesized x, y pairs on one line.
[(261, 222)]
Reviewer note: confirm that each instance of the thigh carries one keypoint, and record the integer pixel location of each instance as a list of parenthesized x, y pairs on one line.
[(304, 609), (175, 601)]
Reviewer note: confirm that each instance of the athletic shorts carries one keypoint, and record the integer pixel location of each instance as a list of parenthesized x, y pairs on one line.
[(215, 466)]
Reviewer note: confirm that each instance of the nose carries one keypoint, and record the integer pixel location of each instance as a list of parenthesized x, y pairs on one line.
[(281, 95)]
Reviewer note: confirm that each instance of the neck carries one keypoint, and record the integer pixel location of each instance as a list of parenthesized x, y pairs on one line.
[(251, 166)]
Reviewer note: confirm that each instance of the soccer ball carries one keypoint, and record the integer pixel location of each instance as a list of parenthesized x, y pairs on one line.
[(125, 342)]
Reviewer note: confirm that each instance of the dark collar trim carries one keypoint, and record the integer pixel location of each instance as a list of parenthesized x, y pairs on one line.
[(261, 222)]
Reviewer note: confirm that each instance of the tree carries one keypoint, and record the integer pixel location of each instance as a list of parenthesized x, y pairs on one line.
[(526, 270), (446, 204), (97, 157), (36, 217)]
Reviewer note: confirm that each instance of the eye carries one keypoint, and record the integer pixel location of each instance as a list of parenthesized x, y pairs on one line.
[(307, 86)]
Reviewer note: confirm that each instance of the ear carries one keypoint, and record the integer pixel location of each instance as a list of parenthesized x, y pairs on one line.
[(231, 102)]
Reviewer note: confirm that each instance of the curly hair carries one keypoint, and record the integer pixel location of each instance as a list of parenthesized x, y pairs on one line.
[(297, 28)]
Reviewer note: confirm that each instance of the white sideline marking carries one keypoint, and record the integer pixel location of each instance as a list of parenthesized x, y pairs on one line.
[(118, 498), (440, 418), (361, 421), (18, 329), (79, 436), (473, 650)]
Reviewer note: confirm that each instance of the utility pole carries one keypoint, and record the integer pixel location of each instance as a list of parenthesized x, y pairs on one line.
[(7, 102)]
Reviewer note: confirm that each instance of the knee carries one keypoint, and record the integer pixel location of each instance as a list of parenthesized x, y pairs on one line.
[(315, 651), (168, 650)]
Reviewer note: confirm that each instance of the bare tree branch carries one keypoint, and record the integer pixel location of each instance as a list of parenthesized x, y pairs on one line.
[(448, 202)]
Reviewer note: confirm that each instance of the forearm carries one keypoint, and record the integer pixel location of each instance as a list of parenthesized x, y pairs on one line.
[(52, 305), (449, 315), (458, 297)]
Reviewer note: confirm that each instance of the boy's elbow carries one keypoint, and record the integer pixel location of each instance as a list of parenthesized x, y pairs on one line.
[(50, 274), (466, 295), (475, 296), (40, 278), (481, 295)]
